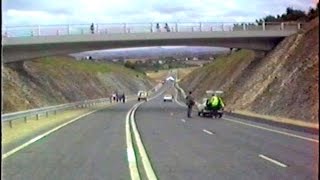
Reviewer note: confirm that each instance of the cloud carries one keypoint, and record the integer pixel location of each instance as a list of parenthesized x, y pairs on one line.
[(26, 12)]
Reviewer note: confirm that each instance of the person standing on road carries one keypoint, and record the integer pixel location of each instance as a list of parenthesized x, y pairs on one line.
[(123, 98), (190, 103)]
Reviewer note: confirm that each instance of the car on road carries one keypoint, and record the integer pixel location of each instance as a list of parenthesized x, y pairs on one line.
[(168, 97), (142, 95)]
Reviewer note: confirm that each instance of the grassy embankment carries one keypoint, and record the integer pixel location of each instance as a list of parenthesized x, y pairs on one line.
[(44, 81)]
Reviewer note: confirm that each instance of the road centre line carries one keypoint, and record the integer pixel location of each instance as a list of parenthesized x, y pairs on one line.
[(133, 168), (272, 130), (206, 131), (272, 160), (143, 154), (131, 155)]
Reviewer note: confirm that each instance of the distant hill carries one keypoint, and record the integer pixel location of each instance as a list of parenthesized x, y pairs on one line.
[(153, 52)]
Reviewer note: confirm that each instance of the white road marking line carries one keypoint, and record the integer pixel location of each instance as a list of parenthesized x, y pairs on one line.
[(272, 130), (183, 120), (206, 131), (43, 135), (143, 154), (133, 168), (272, 160)]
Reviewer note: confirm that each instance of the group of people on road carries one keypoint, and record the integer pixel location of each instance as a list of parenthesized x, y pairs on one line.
[(116, 97), (214, 103)]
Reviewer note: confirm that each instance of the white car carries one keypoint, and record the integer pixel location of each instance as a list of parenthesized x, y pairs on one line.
[(142, 95), (168, 97)]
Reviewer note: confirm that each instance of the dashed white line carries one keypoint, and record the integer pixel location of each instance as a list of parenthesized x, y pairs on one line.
[(272, 130), (183, 120), (206, 131), (272, 160)]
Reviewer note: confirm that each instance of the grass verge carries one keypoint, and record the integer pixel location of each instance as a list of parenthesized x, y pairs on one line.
[(279, 119)]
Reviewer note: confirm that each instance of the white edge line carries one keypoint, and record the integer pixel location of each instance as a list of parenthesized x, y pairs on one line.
[(206, 131), (11, 152), (272, 160), (272, 130), (144, 156)]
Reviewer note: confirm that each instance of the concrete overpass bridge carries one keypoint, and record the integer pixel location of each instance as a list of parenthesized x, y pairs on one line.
[(22, 43)]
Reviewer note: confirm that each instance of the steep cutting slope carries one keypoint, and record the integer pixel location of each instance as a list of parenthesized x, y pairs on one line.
[(57, 80), (284, 83)]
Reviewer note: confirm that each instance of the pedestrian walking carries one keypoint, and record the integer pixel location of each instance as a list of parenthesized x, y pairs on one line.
[(92, 28), (190, 103), (166, 26), (123, 98), (158, 27)]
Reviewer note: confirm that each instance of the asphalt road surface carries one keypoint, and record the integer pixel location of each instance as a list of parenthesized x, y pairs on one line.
[(94, 148), (205, 148)]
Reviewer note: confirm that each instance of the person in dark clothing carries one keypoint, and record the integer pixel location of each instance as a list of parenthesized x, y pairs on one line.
[(123, 98), (158, 27), (92, 28), (190, 103), (166, 26)]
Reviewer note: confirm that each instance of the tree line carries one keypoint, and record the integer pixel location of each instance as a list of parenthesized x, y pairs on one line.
[(292, 14)]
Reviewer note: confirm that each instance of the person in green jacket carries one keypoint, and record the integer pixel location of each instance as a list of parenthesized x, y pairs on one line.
[(215, 102)]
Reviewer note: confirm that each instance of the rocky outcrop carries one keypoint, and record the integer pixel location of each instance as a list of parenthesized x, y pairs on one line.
[(284, 83)]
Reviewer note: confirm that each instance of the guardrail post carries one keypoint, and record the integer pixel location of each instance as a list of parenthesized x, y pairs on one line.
[(125, 28), (244, 26), (58, 33), (282, 26), (299, 26), (10, 124), (55, 112), (37, 116), (31, 32), (200, 27), (68, 29), (47, 114), (25, 119), (151, 27), (177, 27), (38, 30), (222, 27), (97, 28), (263, 26), (192, 29), (211, 28)]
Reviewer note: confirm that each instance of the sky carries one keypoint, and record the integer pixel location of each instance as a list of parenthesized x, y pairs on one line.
[(52, 12)]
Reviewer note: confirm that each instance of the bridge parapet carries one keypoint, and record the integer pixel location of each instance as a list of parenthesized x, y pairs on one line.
[(123, 28)]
